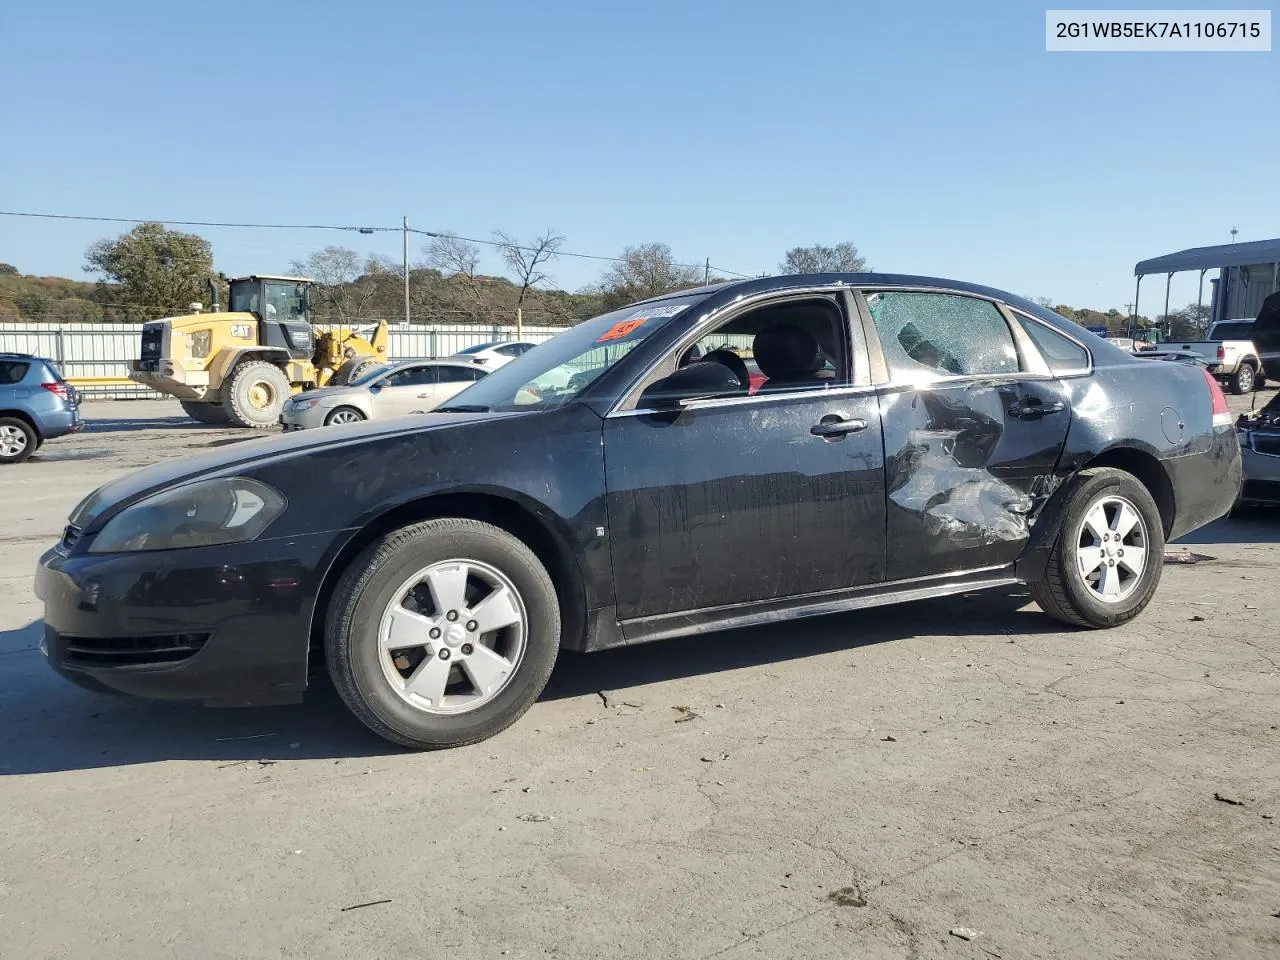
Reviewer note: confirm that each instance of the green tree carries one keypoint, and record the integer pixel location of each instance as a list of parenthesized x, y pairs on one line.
[(842, 258), (8, 269), (158, 271)]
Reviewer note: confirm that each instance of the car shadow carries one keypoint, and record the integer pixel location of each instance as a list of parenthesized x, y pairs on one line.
[(1000, 613), (53, 725), (1253, 524), (134, 424)]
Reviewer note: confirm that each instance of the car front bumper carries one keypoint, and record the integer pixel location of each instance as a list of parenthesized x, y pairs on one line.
[(291, 419), (226, 625), (1261, 477)]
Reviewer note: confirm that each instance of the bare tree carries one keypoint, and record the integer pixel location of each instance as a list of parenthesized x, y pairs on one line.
[(338, 273), (842, 258), (525, 261), (459, 260), (648, 270)]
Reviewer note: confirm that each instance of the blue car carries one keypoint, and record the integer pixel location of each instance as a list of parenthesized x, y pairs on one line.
[(36, 404)]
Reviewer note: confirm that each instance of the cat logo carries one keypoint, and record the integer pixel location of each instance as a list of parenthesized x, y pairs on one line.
[(242, 330)]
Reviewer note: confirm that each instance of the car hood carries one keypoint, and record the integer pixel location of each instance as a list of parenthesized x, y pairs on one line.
[(327, 393), (235, 453)]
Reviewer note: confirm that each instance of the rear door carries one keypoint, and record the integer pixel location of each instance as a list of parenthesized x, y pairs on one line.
[(974, 423), (453, 379)]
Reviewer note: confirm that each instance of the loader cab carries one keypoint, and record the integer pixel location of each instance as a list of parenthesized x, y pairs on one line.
[(282, 309)]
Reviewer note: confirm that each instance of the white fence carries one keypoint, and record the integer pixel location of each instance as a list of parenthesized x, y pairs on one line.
[(85, 351)]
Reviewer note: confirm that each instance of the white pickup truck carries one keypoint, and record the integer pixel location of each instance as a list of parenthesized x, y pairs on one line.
[(1228, 353)]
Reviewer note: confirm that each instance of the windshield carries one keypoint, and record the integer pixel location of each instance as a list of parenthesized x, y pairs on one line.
[(479, 347), (556, 371)]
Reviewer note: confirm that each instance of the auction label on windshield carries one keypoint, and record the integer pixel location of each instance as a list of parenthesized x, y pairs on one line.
[(1158, 31)]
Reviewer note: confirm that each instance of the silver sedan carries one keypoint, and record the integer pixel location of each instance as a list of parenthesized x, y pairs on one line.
[(415, 386)]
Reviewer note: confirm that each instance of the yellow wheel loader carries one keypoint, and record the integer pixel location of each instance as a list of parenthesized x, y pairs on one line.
[(239, 367)]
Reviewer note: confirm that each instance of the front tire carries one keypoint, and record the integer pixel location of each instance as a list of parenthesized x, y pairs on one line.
[(343, 415), (442, 633), (1107, 561), (17, 440), (255, 394), (1243, 380)]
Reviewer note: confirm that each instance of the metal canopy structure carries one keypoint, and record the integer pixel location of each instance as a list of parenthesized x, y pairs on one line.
[(1254, 253), (1209, 258)]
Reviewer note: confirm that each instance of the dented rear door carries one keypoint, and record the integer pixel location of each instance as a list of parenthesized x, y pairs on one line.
[(974, 423), (967, 467)]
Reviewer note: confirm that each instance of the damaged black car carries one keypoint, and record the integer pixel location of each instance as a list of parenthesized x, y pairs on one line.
[(723, 456)]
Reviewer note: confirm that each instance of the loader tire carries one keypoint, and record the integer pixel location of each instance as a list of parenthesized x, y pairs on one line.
[(255, 394), (205, 412), (353, 370)]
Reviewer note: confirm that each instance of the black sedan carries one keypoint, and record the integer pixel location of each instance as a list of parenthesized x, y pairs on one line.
[(723, 456)]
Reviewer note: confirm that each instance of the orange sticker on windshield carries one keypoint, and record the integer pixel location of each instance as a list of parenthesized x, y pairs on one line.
[(622, 328)]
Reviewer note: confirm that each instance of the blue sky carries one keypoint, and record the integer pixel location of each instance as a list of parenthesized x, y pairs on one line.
[(939, 137)]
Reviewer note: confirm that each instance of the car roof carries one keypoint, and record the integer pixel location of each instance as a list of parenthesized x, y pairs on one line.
[(733, 289)]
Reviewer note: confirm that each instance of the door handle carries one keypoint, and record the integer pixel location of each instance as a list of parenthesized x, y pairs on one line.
[(424, 396), (1035, 409), (835, 425)]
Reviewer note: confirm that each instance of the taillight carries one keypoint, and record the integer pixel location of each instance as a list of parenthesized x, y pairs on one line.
[(1221, 414), (58, 389), (1222, 352)]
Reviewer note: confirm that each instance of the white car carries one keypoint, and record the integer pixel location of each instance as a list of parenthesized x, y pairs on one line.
[(496, 353), (415, 386)]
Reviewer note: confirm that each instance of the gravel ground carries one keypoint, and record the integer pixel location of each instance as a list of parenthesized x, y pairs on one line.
[(864, 785)]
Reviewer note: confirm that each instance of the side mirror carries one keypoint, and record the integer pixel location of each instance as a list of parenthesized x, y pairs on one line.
[(698, 381)]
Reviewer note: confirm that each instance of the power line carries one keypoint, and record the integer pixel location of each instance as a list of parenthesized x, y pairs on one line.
[(559, 253), (200, 223), (350, 229)]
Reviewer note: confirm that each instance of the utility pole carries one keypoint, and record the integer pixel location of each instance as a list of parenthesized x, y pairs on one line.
[(1234, 231), (406, 271), (706, 272)]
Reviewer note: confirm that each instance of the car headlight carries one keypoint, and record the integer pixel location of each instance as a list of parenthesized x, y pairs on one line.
[(201, 514), (299, 406)]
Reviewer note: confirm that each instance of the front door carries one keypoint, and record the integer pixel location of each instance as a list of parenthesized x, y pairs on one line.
[(751, 497), (972, 433), (404, 391)]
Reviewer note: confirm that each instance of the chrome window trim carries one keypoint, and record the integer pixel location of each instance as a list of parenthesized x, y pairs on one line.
[(625, 405), (747, 400)]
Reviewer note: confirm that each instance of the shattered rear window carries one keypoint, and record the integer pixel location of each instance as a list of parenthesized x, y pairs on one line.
[(929, 336)]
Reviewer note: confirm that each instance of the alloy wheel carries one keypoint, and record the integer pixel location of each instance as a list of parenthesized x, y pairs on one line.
[(1111, 549), (345, 416), (12, 441), (453, 636)]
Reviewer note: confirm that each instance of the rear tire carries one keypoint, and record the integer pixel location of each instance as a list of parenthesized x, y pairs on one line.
[(353, 370), (1243, 380), (1104, 499), (205, 412), (255, 394), (442, 576), (17, 440)]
